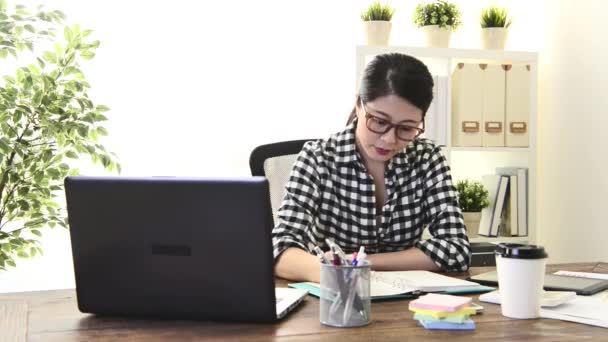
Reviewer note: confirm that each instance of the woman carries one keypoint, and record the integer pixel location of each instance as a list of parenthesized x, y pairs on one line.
[(375, 184)]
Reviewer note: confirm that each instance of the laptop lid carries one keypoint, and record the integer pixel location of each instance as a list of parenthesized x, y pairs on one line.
[(172, 247)]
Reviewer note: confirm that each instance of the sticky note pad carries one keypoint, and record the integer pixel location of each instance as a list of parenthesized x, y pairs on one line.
[(449, 319), (438, 325), (468, 311), (440, 302)]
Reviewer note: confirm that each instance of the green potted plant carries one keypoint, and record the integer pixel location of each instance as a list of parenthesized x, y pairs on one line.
[(495, 24), (472, 197), (437, 19), (377, 23), (46, 118)]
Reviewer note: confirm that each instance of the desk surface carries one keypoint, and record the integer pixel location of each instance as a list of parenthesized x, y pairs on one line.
[(54, 316)]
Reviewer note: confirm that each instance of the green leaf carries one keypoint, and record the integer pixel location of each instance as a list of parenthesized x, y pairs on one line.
[(50, 57), (6, 247), (25, 206), (83, 131), (102, 131), (37, 98), (71, 154), (22, 254), (11, 263), (29, 28), (36, 232), (87, 55), (68, 34), (102, 108)]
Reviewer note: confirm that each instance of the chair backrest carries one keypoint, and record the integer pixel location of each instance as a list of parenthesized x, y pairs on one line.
[(275, 161)]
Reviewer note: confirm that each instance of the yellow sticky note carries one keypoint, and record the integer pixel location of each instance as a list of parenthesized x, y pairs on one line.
[(443, 314)]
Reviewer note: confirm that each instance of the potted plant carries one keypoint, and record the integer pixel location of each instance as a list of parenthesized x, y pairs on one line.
[(494, 28), (437, 19), (46, 117), (377, 23), (472, 197)]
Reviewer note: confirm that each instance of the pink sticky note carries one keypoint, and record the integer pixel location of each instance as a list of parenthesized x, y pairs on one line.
[(440, 302)]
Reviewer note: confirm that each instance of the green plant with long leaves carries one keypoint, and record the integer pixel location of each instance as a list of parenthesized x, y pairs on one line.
[(472, 195), (378, 12), (441, 12), (495, 17), (46, 117)]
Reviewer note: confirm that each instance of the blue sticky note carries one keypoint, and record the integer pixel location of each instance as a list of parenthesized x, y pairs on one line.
[(440, 325)]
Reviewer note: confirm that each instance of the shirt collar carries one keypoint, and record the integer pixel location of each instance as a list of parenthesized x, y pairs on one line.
[(346, 151)]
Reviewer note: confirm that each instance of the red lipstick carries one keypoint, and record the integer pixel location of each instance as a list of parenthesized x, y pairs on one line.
[(382, 151)]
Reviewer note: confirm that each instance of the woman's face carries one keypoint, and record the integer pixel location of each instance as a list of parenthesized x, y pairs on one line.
[(378, 115)]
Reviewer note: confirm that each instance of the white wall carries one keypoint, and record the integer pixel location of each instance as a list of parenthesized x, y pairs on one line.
[(573, 127)]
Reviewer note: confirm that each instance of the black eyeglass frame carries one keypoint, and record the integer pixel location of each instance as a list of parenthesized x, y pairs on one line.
[(390, 125)]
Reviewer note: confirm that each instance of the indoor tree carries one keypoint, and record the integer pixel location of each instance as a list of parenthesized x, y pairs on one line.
[(46, 116)]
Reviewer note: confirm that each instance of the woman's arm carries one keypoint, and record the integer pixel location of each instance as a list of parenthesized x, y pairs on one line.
[(292, 235), (409, 259), (296, 264), (449, 246)]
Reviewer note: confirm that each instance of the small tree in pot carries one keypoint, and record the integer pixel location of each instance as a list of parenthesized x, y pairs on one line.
[(46, 116), (437, 19), (472, 197)]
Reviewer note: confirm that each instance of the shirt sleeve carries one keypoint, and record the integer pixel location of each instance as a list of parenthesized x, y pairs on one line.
[(449, 246), (297, 211)]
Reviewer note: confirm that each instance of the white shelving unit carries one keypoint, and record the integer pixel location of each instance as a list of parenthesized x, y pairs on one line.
[(472, 162)]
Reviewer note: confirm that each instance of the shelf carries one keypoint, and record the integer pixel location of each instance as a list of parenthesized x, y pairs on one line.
[(463, 55), (497, 239), (490, 149)]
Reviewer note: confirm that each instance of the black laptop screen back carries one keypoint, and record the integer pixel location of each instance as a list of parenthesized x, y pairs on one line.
[(171, 247)]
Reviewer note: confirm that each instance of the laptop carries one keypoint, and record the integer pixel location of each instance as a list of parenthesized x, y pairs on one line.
[(166, 247)]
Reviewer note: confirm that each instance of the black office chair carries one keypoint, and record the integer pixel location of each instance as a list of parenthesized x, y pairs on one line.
[(275, 161)]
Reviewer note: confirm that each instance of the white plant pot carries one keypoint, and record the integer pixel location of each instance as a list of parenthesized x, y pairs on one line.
[(436, 36), (471, 220), (377, 32), (494, 38)]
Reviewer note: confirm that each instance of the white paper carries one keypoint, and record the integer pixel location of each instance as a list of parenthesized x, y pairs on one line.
[(582, 309), (583, 275)]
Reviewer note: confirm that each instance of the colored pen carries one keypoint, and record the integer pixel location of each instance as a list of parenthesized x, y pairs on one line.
[(337, 260), (321, 255), (354, 263), (336, 249)]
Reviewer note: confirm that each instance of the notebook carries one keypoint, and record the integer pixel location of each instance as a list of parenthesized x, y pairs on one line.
[(407, 285), (175, 248)]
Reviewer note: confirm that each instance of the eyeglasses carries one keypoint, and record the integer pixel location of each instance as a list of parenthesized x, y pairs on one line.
[(381, 126)]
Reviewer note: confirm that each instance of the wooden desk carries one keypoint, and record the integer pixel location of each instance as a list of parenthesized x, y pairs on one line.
[(53, 316)]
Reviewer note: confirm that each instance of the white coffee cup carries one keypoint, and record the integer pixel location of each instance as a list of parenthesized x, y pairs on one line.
[(521, 274)]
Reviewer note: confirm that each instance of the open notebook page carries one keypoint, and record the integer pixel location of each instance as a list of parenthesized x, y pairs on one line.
[(406, 281)]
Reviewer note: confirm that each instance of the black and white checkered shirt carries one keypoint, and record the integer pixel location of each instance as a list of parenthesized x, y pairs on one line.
[(330, 194)]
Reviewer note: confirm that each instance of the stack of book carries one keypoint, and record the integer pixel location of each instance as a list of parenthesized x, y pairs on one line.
[(507, 214), (443, 312)]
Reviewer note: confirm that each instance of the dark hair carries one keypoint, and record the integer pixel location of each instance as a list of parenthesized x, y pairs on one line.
[(396, 74)]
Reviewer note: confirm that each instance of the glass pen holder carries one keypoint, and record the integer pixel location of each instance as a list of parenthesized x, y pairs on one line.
[(345, 295)]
